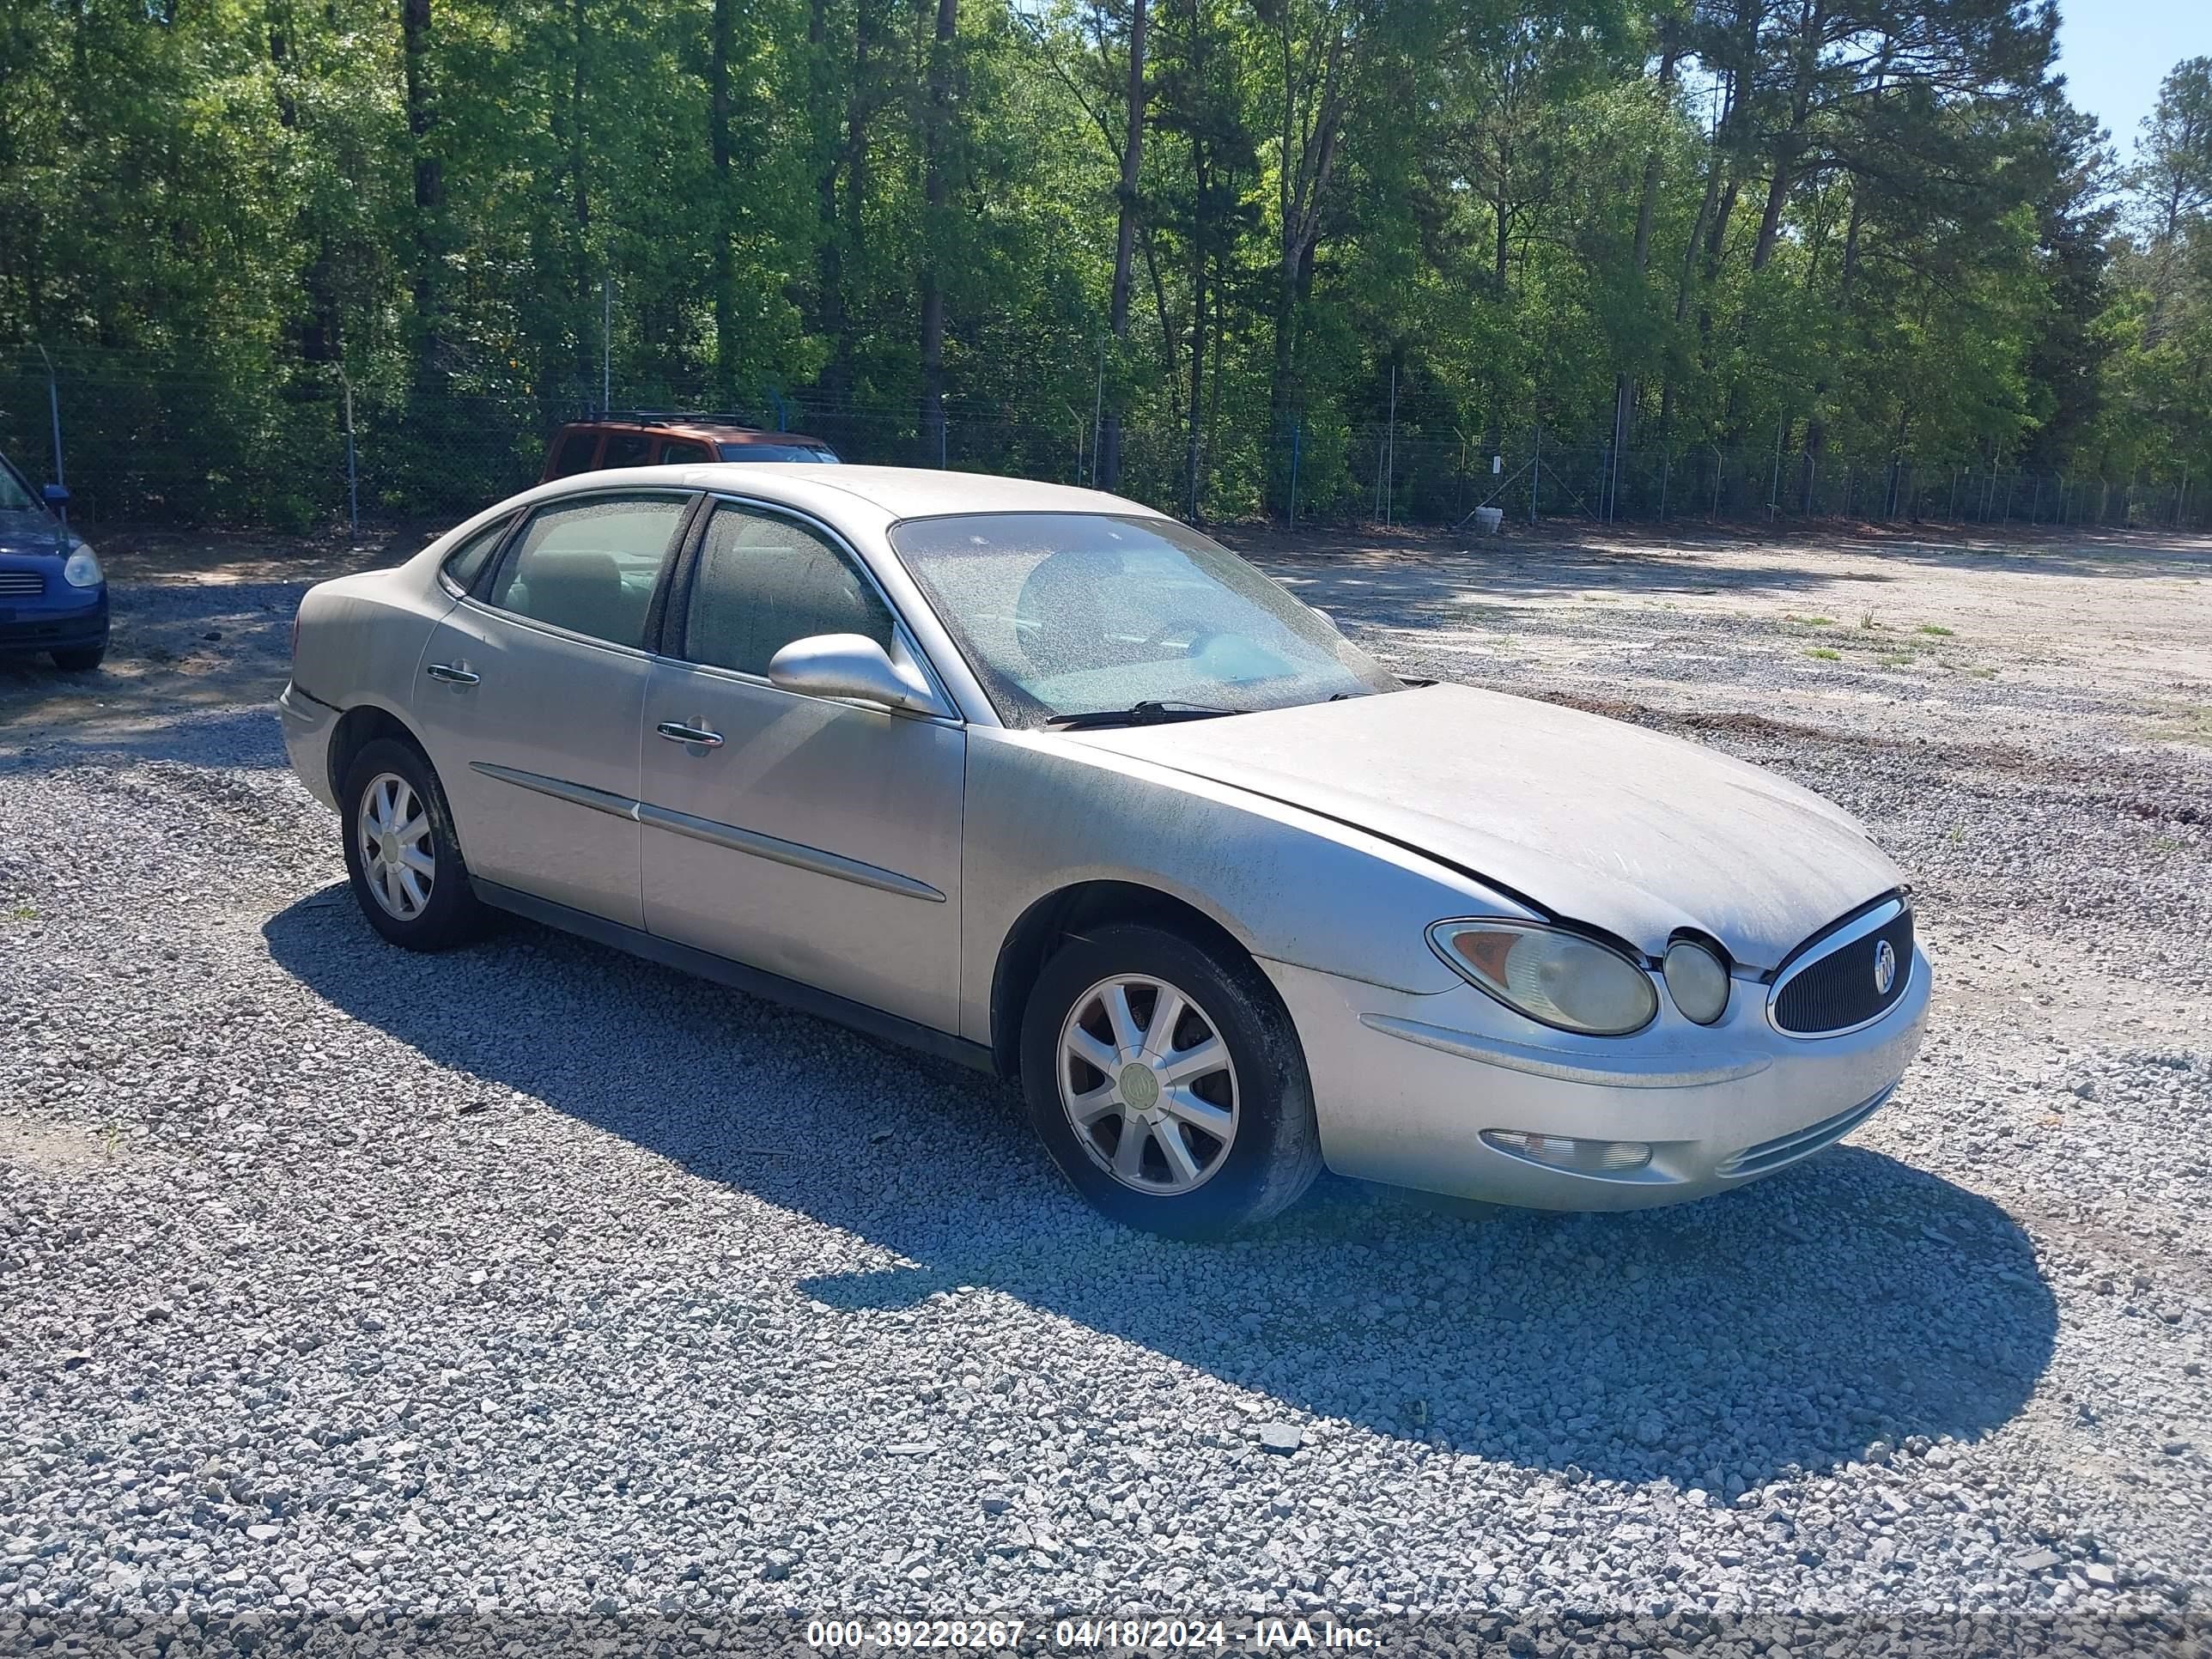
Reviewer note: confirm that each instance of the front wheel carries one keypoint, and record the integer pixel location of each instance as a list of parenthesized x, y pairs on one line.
[(1167, 1083), (82, 660), (400, 851)]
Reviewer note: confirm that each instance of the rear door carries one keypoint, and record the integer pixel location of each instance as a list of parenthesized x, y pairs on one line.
[(815, 839), (531, 691)]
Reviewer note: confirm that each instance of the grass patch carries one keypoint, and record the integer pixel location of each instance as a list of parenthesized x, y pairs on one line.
[(2191, 724), (1936, 629), (1897, 660), (1825, 654), (24, 913), (1813, 621)]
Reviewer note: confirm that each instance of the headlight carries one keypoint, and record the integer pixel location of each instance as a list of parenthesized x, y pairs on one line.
[(1697, 981), (81, 568), (1556, 977)]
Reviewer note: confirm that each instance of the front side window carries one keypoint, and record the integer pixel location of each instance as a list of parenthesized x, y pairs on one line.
[(576, 454), (763, 581), (1081, 613), (466, 563), (591, 566), (627, 449), (676, 452)]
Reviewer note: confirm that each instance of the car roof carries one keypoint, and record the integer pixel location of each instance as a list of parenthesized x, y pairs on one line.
[(894, 492), (726, 432)]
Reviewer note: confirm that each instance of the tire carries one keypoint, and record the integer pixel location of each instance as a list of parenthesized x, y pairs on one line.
[(81, 660), (1272, 1150), (432, 909)]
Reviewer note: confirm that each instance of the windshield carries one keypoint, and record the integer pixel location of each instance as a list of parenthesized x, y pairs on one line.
[(775, 452), (1071, 613), (15, 495)]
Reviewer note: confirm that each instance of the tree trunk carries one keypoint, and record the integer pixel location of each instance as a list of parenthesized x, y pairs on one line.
[(429, 188), (721, 44), (575, 246), (936, 121), (829, 253), (1125, 241)]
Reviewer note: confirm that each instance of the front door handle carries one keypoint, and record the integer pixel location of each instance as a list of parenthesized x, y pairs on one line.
[(451, 674), (677, 732)]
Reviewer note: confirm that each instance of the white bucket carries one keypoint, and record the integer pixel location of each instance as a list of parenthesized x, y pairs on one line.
[(1489, 517)]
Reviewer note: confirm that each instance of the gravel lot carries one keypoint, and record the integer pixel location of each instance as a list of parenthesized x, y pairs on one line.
[(341, 1282)]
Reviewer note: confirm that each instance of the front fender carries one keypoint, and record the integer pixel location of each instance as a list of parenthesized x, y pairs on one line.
[(1045, 812)]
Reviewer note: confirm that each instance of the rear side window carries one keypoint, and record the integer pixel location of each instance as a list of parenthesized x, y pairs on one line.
[(627, 449), (763, 582), (591, 567), (676, 453), (576, 454), (466, 563)]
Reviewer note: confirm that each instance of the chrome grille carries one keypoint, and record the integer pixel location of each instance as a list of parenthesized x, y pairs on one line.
[(1834, 987), (1803, 1143), (21, 584)]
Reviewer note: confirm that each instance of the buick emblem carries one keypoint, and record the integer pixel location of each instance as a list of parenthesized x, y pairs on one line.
[(1885, 968)]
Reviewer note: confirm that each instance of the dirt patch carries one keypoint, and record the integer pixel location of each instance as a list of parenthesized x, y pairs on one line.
[(51, 1149)]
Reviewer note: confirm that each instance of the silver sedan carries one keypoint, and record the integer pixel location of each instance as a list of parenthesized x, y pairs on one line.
[(1041, 780)]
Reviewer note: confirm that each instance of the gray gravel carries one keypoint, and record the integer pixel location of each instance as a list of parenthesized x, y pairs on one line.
[(532, 1282)]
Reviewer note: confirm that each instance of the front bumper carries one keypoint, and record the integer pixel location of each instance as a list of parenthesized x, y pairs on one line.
[(31, 627), (307, 728), (1404, 1085)]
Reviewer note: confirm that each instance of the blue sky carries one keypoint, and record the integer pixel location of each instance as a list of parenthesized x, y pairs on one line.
[(2114, 53)]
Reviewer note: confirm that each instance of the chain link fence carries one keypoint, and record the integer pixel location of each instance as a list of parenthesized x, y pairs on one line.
[(297, 447)]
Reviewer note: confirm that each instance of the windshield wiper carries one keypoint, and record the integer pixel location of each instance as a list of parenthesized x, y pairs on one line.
[(1149, 712)]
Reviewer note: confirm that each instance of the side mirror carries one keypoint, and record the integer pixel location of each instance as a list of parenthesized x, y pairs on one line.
[(56, 494), (1324, 616), (847, 665)]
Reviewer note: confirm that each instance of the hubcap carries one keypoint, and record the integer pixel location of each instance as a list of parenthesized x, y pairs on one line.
[(1147, 1084), (397, 854)]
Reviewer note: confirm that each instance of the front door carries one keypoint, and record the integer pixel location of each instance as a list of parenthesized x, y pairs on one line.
[(814, 839), (529, 699)]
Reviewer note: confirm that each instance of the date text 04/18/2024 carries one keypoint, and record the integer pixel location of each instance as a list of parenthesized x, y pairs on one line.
[(1104, 1634)]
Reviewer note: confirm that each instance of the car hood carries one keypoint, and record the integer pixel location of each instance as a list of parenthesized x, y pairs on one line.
[(1591, 819)]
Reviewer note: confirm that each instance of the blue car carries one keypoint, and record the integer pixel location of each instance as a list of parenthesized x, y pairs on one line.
[(53, 594)]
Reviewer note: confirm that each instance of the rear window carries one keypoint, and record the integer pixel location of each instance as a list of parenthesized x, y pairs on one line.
[(778, 452), (574, 454), (466, 563)]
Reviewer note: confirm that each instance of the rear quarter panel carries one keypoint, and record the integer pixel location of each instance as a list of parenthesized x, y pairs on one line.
[(362, 637)]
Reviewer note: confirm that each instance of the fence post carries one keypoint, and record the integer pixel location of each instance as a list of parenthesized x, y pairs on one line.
[(1297, 447), (54, 410), (1535, 473), (1666, 465), (353, 480), (1098, 411), (1390, 453), (1774, 484)]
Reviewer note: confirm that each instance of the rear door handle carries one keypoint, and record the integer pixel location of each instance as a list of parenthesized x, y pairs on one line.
[(677, 732), (451, 674)]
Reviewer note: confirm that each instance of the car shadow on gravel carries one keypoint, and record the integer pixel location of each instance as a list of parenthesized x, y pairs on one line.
[(1849, 1306)]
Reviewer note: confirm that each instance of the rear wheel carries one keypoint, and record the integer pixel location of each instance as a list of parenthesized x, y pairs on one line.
[(401, 852), (1167, 1083), (81, 660)]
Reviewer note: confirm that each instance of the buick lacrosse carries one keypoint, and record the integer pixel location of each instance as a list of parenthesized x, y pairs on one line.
[(1041, 780)]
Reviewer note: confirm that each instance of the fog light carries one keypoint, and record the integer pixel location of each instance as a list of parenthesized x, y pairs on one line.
[(1565, 1152)]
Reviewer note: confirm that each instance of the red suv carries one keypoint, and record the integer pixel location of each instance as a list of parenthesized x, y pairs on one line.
[(645, 437)]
